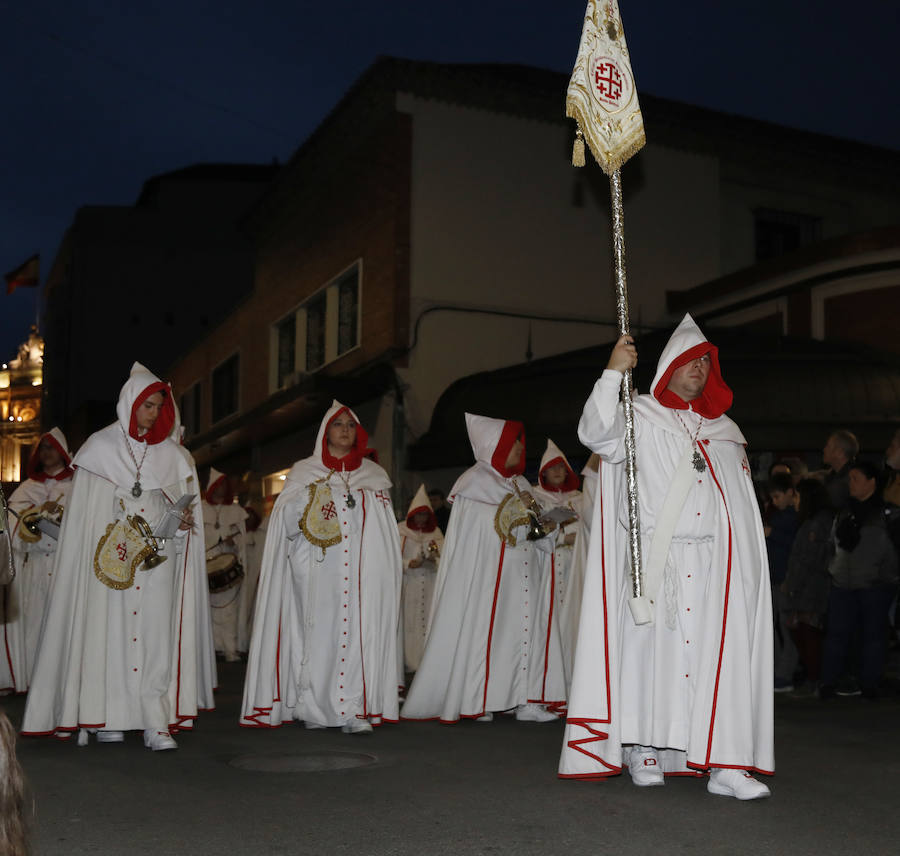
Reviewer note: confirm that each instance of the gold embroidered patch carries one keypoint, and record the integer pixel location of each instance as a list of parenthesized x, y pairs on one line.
[(319, 521), (119, 553), (510, 514)]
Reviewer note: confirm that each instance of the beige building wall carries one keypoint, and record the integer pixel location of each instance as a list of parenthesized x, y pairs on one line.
[(500, 220)]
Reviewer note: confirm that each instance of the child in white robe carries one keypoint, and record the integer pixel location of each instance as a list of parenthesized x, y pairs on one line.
[(420, 543)]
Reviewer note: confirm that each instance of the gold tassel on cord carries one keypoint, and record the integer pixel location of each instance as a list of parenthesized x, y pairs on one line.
[(578, 149)]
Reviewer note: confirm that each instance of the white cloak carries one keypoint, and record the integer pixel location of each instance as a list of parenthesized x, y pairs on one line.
[(324, 648), (697, 681), (418, 590), (570, 612), (487, 648), (119, 659), (25, 598)]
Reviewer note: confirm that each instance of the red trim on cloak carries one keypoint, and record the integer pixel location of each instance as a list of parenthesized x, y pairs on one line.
[(715, 701), (429, 526), (588, 724), (33, 469), (187, 547), (571, 483), (487, 660), (359, 598), (716, 397), (164, 422), (511, 432), (549, 624), (353, 458)]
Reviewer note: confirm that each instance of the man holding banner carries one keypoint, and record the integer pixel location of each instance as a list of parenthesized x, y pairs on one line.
[(686, 688), (673, 665)]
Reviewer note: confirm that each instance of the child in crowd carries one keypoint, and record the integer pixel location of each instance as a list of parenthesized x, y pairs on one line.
[(780, 529)]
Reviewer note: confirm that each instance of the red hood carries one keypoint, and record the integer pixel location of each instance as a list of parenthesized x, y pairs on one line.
[(685, 344)]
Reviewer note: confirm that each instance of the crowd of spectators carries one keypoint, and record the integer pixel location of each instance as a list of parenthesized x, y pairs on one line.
[(833, 539)]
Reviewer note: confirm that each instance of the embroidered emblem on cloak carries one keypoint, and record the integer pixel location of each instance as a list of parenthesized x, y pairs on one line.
[(319, 522), (510, 514), (119, 553)]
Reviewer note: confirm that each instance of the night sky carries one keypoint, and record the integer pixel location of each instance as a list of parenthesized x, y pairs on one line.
[(99, 96)]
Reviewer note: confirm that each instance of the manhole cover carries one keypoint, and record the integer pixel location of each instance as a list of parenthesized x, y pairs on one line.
[(303, 762)]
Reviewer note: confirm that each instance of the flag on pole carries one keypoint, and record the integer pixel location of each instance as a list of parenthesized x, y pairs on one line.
[(602, 96), (26, 275)]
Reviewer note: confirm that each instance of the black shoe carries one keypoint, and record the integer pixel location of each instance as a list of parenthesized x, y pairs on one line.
[(848, 687)]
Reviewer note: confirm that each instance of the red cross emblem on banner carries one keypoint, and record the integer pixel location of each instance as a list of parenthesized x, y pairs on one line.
[(383, 497), (607, 80), (122, 550), (329, 511)]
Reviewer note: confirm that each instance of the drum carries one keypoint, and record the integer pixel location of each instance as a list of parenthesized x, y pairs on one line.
[(223, 572)]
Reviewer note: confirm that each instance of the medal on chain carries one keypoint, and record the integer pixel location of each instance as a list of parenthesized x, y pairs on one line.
[(136, 490), (697, 461)]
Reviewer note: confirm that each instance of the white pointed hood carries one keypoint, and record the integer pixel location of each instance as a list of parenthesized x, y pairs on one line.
[(106, 453), (360, 472), (420, 502), (553, 455), (685, 344), (662, 405), (141, 384), (58, 439), (491, 440)]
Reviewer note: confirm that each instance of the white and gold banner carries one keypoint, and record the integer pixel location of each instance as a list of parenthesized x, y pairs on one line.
[(602, 96)]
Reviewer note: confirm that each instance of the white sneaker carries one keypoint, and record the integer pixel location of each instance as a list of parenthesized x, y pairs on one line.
[(488, 717), (736, 783), (357, 726), (158, 741), (643, 765), (313, 726), (534, 713), (110, 736)]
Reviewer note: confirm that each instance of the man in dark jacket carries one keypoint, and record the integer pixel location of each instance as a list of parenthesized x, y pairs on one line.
[(864, 582)]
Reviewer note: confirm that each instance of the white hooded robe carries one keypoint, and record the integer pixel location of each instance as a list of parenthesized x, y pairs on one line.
[(25, 598), (560, 561), (696, 682), (120, 659), (324, 648), (487, 648), (418, 583)]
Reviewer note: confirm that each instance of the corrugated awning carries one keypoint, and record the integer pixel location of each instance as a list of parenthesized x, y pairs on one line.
[(789, 394)]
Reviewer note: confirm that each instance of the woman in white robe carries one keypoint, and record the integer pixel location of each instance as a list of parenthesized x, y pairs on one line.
[(45, 492), (324, 649), (690, 689), (487, 649), (225, 534), (118, 652), (420, 545)]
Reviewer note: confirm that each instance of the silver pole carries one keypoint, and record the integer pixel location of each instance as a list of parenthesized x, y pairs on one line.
[(634, 529)]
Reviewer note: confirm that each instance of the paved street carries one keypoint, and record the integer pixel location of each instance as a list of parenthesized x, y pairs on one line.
[(466, 789)]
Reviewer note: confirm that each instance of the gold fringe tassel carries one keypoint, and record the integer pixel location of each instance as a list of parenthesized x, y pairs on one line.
[(578, 149)]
